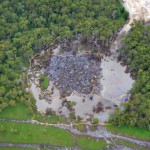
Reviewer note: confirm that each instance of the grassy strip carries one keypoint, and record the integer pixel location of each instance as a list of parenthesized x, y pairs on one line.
[(90, 144), (80, 127), (129, 144), (133, 132), (19, 111), (30, 133), (44, 81), (52, 118)]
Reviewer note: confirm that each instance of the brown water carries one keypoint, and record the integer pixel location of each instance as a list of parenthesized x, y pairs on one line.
[(76, 73), (116, 83)]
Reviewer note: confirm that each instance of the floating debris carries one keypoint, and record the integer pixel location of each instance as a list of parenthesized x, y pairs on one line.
[(74, 73)]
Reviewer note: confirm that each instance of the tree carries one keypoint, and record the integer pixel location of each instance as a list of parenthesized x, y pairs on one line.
[(72, 116), (12, 103), (2, 129), (95, 121)]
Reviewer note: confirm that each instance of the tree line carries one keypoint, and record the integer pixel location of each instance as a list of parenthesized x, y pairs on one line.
[(136, 54)]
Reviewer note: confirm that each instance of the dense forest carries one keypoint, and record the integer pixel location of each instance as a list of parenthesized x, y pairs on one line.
[(26, 27), (136, 54)]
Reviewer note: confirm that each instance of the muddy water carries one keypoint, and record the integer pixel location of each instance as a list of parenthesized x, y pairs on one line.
[(82, 108), (85, 108), (116, 83), (42, 105)]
